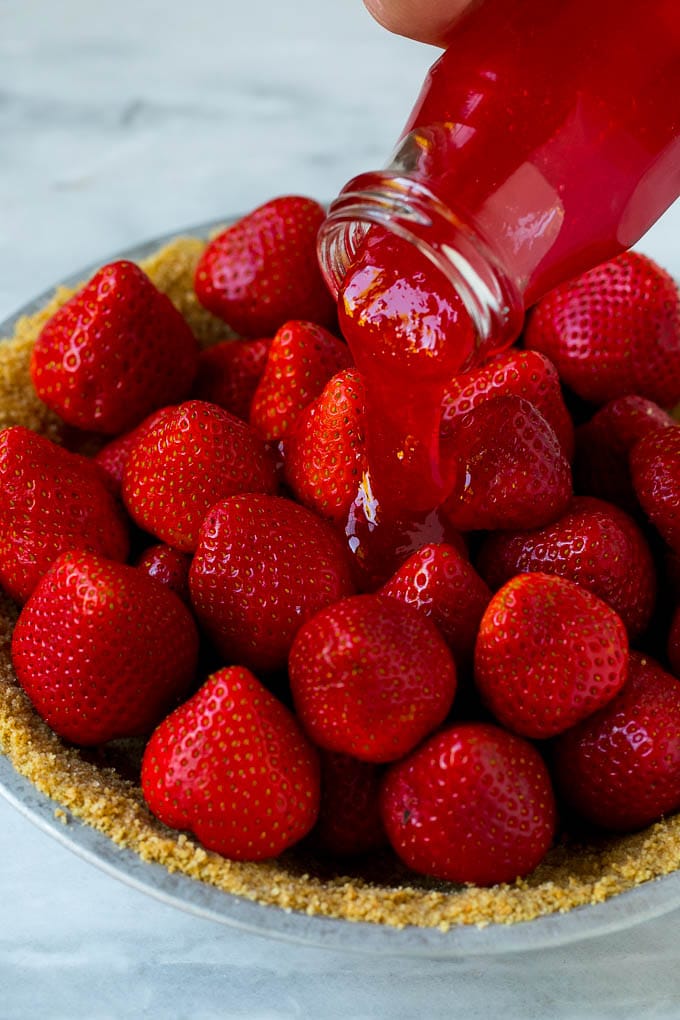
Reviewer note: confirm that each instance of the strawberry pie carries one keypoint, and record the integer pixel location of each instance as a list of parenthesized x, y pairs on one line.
[(239, 638)]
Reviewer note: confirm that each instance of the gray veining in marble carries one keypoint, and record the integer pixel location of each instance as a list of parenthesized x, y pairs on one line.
[(122, 121)]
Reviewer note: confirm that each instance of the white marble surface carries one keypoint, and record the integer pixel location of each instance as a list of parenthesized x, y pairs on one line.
[(118, 122)]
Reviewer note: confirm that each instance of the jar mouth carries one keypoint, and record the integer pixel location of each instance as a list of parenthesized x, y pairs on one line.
[(412, 212)]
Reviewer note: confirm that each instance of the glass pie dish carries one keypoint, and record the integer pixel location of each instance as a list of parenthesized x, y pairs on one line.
[(91, 801)]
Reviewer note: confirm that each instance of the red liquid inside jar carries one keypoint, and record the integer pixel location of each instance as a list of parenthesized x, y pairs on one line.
[(546, 139)]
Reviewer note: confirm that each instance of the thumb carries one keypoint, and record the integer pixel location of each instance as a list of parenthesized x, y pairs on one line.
[(427, 21)]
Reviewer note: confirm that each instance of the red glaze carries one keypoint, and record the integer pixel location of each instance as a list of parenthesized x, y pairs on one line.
[(349, 821), (522, 126)]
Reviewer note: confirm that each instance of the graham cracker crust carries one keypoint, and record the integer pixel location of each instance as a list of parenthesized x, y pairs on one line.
[(101, 791)]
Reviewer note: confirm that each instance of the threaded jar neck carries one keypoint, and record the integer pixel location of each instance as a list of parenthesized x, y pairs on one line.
[(410, 211)]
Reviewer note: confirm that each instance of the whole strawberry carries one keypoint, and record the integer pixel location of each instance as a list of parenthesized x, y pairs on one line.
[(102, 650), (603, 445), (548, 654), (233, 767), (325, 454), (229, 373), (195, 455), (472, 804), (264, 565), (263, 270), (526, 374), (594, 544), (302, 358), (613, 331), (620, 769), (370, 677), (51, 501), (655, 469), (349, 822), (113, 353), (441, 583), (511, 470)]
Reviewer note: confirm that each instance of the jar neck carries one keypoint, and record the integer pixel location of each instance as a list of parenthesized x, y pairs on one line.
[(409, 210)]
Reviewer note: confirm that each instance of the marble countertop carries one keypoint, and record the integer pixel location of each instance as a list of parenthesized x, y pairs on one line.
[(119, 122)]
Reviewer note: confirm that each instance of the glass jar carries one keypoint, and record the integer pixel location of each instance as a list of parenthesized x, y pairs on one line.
[(546, 139)]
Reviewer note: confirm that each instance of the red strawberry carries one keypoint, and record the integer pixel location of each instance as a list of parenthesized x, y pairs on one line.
[(229, 372), (50, 501), (473, 804), (526, 374), (440, 582), (112, 458), (674, 643), (370, 677), (548, 654), (233, 766), (169, 566), (511, 471), (603, 445), (613, 331), (302, 358), (194, 456), (263, 270), (620, 769), (655, 469), (102, 650), (325, 454), (264, 565), (594, 544), (349, 821), (113, 353)]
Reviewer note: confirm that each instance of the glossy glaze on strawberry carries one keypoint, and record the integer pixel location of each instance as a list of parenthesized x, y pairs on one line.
[(655, 468)]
